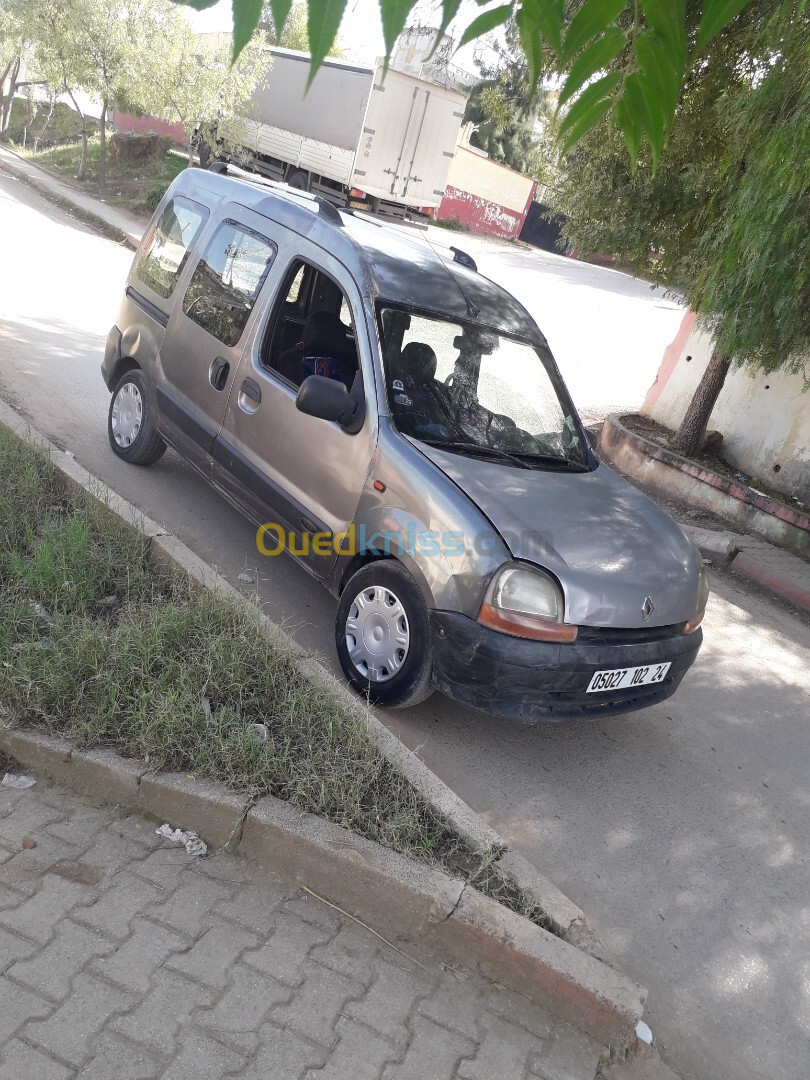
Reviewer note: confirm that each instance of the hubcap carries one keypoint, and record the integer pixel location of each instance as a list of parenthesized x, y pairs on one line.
[(127, 415), (377, 634)]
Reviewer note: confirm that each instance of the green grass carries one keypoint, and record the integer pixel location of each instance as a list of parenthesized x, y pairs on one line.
[(98, 645), (138, 185)]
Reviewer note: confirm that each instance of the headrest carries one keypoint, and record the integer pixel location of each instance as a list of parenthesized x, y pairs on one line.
[(325, 335), (418, 361)]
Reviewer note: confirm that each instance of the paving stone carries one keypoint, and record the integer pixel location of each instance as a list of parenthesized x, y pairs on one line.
[(389, 1002), (19, 1060), (111, 852), (38, 916), (68, 1033), (201, 1058), (239, 1013), (12, 895), (360, 1054), (283, 1055), (163, 866), (54, 967), (352, 951), (80, 827), (113, 912), (187, 907), (14, 948), (284, 954), (456, 1003), (571, 1056), (317, 1004), (133, 965), (115, 1059), (516, 1009), (432, 1053), (17, 1006), (26, 864), (138, 830), (163, 1012), (211, 957), (309, 909), (255, 906), (28, 817), (504, 1050)]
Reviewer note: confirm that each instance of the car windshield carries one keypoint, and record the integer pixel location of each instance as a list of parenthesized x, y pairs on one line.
[(471, 390)]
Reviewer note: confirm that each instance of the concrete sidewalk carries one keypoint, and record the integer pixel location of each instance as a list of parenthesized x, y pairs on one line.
[(129, 224), (122, 956)]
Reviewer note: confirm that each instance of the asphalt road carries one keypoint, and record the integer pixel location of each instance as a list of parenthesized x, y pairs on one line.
[(681, 831)]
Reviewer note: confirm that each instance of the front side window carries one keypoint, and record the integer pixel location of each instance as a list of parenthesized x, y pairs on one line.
[(164, 254), (227, 280), (474, 391)]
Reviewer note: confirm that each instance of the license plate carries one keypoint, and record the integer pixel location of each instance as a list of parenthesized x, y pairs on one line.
[(626, 677)]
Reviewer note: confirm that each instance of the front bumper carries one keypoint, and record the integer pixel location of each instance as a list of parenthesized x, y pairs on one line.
[(537, 682)]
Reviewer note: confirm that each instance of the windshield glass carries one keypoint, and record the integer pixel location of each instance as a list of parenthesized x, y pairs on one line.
[(475, 391)]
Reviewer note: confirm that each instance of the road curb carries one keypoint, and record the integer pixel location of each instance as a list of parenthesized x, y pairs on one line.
[(794, 591), (382, 886), (675, 477)]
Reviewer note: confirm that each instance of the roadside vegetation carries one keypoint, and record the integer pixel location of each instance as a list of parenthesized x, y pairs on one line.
[(137, 184), (98, 645)]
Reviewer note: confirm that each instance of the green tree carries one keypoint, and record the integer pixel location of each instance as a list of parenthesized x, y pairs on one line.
[(294, 32), (196, 85), (509, 111), (725, 217)]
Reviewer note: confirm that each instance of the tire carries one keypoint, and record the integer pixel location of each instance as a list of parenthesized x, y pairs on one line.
[(298, 179), (130, 425), (397, 629)]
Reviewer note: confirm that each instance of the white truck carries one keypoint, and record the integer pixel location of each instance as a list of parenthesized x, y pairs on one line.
[(378, 142)]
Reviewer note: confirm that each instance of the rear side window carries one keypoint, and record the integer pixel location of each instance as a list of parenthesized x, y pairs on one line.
[(164, 255), (227, 280)]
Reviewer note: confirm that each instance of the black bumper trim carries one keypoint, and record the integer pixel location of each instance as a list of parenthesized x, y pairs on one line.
[(536, 682)]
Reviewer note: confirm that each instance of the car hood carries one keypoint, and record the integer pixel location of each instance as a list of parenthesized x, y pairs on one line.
[(607, 543)]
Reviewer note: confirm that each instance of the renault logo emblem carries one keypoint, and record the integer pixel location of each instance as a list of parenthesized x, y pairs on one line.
[(648, 607)]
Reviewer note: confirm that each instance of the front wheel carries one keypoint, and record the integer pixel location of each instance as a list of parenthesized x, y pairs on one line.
[(130, 426), (382, 634)]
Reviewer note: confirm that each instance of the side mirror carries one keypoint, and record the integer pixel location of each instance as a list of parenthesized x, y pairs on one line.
[(329, 399)]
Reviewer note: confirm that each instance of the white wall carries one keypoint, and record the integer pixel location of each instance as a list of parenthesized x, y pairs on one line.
[(765, 419)]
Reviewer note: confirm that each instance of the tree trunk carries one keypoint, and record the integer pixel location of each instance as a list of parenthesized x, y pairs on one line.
[(5, 113), (693, 425), (80, 172), (101, 175), (44, 127)]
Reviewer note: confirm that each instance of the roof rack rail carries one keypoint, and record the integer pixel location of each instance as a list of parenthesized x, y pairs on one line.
[(464, 259), (328, 210)]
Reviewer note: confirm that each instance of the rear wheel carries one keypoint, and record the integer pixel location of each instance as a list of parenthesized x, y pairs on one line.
[(130, 425), (298, 179), (382, 634)]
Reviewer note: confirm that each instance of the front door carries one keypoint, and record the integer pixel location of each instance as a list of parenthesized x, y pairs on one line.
[(299, 475), (206, 332)]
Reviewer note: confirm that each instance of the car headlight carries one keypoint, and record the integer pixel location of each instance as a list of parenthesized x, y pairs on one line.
[(703, 599), (526, 603)]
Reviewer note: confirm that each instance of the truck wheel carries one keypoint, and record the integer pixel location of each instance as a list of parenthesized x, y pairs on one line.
[(382, 634), (298, 179), (129, 423)]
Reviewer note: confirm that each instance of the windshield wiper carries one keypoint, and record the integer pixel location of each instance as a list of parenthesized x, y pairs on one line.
[(554, 461), (477, 448), (524, 460)]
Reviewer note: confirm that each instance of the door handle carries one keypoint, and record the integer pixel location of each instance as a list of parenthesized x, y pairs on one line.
[(218, 373), (251, 389)]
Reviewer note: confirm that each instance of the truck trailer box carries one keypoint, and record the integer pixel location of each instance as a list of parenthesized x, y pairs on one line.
[(387, 134)]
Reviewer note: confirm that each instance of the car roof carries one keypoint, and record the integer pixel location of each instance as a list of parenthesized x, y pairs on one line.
[(393, 262)]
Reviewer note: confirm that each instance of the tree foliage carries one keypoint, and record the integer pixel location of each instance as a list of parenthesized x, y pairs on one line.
[(726, 216), (509, 111), (653, 42), (294, 33)]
